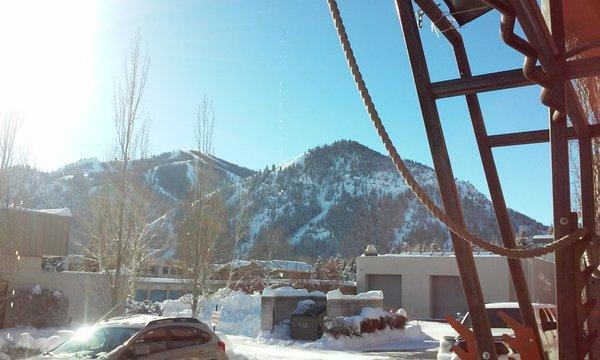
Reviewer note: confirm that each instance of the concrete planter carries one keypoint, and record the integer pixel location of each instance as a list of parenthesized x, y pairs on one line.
[(350, 307)]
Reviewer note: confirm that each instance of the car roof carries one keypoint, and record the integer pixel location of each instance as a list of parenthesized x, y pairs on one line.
[(511, 305), (141, 321)]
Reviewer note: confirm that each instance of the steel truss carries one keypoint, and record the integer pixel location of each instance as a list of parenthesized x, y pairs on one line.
[(554, 73)]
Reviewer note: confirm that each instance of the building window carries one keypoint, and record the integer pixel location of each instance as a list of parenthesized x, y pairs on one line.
[(165, 270), (140, 295), (175, 294), (157, 295)]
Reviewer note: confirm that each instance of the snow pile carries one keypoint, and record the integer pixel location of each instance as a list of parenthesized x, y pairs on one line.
[(240, 312), (410, 337), (35, 340), (368, 341), (369, 295), (289, 291), (302, 304)]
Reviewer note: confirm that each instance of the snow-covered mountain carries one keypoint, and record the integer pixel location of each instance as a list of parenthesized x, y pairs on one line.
[(333, 199), (338, 198), (168, 174)]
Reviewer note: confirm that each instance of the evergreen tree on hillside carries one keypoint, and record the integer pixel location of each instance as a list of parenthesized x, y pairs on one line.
[(349, 272), (522, 240), (318, 268), (332, 270)]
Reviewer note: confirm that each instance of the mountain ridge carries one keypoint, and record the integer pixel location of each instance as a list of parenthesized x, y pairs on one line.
[(334, 198)]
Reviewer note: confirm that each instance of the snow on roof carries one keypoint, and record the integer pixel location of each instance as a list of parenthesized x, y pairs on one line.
[(543, 239), (140, 320), (434, 253), (338, 295), (58, 212), (289, 291), (161, 280), (512, 305), (272, 265), (286, 265)]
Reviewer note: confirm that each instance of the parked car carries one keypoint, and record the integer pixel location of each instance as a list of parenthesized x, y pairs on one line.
[(545, 315), (146, 337)]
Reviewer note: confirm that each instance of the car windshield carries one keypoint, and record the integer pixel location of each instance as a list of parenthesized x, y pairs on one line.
[(495, 321), (95, 342)]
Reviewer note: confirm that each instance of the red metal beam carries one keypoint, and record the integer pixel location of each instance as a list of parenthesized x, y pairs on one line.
[(508, 79), (480, 83), (576, 113), (532, 22), (535, 136), (580, 68)]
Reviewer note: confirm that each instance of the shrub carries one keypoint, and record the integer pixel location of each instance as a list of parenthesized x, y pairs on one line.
[(340, 326), (39, 308), (146, 307), (355, 326)]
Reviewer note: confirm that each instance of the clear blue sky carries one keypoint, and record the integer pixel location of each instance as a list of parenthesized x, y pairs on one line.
[(280, 85)]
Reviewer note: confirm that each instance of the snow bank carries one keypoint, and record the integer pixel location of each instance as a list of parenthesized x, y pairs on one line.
[(373, 313), (289, 291), (369, 341), (337, 295), (240, 312), (410, 337), (38, 340)]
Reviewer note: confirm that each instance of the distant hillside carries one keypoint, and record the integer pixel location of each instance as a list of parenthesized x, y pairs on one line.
[(338, 198), (333, 199)]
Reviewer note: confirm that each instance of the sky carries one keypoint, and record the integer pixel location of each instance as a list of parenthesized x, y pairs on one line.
[(277, 77)]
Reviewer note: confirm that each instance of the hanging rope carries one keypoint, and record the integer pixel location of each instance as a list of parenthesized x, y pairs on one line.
[(452, 225)]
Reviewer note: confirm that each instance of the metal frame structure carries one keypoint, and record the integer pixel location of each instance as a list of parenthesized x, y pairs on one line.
[(546, 45)]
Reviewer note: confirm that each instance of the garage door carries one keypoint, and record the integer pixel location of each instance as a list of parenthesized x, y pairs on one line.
[(447, 296), (391, 285)]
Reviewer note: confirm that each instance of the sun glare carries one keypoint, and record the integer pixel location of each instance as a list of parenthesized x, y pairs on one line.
[(46, 69)]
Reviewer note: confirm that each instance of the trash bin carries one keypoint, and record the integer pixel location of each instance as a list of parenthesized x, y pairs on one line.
[(306, 322)]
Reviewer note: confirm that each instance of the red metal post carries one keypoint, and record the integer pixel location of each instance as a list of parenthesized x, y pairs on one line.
[(447, 185), (565, 260), (489, 166)]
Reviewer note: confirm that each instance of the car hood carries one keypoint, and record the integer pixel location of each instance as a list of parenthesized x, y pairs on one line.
[(60, 356)]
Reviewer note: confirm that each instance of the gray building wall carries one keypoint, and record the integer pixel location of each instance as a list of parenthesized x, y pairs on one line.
[(86, 291), (417, 270)]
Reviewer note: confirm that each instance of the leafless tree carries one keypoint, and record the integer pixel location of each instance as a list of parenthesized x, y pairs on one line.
[(202, 215), (588, 92), (240, 232), (117, 220), (10, 196), (10, 125)]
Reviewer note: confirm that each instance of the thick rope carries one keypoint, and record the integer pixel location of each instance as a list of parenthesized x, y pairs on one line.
[(453, 226)]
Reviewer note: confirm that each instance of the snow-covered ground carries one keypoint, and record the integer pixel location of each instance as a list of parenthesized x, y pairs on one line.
[(240, 329), (399, 347), (249, 348)]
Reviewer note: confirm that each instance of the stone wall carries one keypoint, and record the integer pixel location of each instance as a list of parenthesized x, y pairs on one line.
[(350, 307)]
